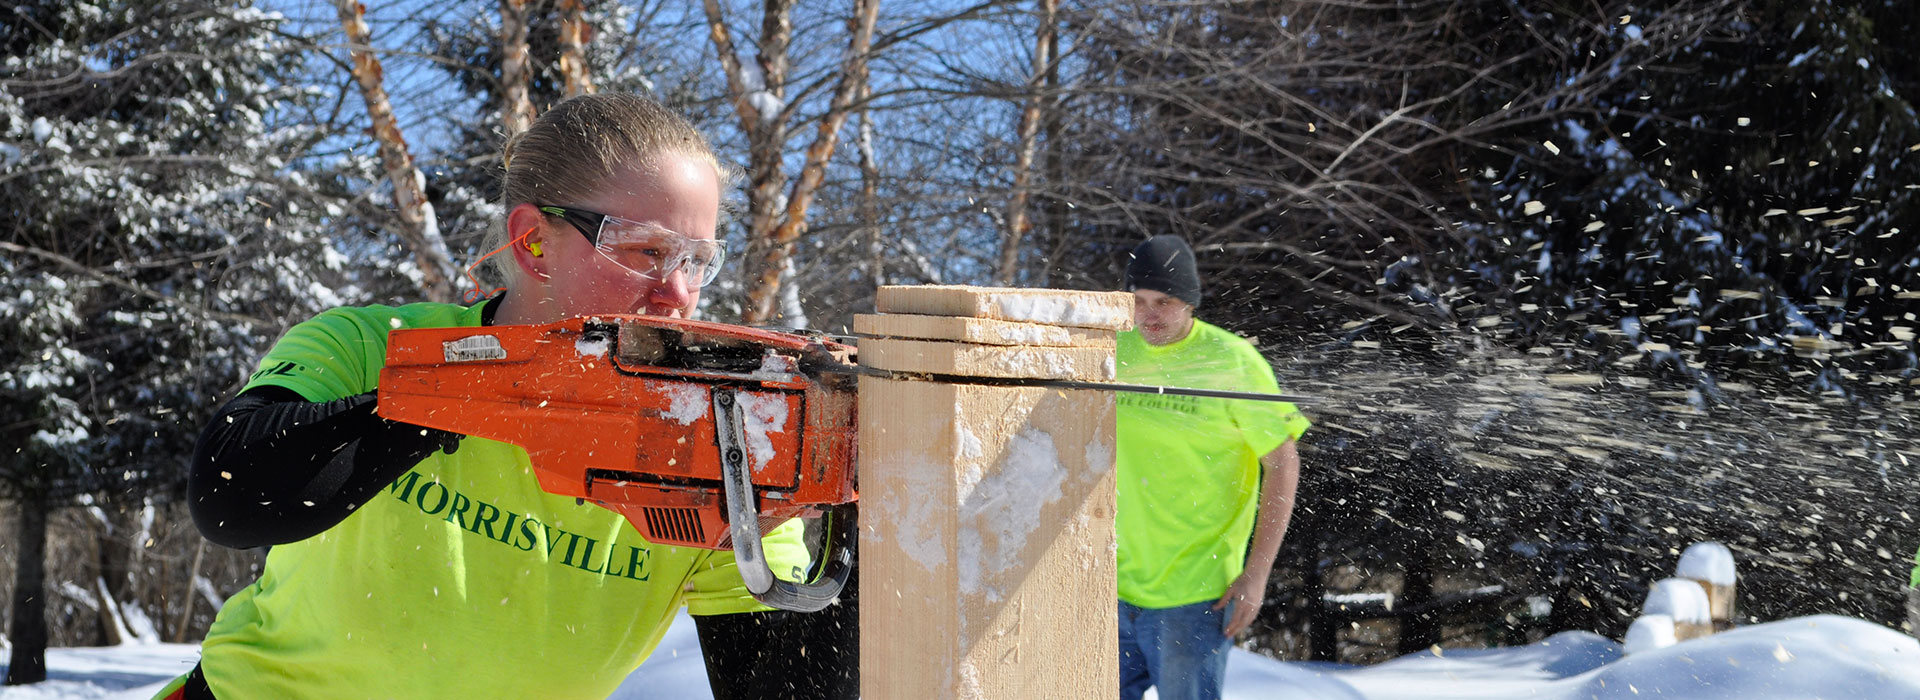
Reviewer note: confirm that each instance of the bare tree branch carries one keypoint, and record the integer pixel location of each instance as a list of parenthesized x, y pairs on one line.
[(1028, 132), (764, 286)]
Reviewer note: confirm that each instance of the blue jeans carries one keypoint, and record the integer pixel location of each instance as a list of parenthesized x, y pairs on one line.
[(1181, 651)]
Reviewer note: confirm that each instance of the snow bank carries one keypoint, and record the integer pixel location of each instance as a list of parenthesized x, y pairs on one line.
[(675, 670), (1823, 656), (1532, 671), (125, 672)]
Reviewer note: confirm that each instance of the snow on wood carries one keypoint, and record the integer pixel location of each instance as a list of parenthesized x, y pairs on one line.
[(1711, 562), (1685, 602)]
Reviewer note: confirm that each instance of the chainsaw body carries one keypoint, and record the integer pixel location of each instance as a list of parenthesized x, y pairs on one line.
[(701, 434)]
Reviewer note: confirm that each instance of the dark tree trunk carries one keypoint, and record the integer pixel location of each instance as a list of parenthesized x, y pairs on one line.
[(112, 554), (1573, 607), (1321, 640), (1421, 630), (29, 630)]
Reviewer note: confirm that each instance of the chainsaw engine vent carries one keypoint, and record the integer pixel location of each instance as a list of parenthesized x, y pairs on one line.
[(674, 525)]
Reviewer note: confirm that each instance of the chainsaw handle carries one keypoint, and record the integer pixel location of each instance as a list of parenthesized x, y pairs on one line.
[(743, 523), (803, 597)]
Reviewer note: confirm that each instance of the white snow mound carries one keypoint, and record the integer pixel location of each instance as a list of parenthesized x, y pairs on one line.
[(1649, 632), (1680, 599), (1707, 561)]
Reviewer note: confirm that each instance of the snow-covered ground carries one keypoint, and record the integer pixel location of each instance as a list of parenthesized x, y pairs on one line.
[(1802, 658)]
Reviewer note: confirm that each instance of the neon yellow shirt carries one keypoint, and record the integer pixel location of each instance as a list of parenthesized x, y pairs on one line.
[(1188, 468), (462, 578)]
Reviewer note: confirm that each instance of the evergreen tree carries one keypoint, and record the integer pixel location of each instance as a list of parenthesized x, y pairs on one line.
[(160, 234)]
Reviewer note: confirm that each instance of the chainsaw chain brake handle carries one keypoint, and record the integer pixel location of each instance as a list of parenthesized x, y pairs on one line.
[(743, 517)]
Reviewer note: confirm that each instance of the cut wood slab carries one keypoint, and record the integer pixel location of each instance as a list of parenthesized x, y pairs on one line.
[(1054, 307), (1014, 362), (986, 544), (984, 331)]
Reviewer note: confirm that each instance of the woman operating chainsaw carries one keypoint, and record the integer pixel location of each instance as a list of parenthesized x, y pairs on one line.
[(413, 563)]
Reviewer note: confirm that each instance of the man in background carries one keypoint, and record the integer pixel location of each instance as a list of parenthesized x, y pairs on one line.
[(1198, 480)]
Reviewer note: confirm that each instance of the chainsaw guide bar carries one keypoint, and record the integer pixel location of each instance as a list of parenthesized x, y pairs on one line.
[(701, 434)]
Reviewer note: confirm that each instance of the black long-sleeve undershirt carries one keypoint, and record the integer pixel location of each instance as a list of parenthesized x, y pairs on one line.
[(781, 655), (273, 468)]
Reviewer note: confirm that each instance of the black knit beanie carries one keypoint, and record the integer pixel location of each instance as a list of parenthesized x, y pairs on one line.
[(1165, 264)]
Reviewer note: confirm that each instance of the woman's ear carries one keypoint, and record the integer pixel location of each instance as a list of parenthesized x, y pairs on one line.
[(527, 240)]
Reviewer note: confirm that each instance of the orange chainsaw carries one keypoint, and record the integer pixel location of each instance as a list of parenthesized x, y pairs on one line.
[(702, 434)]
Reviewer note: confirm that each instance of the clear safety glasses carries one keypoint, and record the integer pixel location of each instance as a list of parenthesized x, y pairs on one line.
[(648, 250)]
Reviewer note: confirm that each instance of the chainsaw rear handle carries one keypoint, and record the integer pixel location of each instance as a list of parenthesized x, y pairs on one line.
[(743, 523)]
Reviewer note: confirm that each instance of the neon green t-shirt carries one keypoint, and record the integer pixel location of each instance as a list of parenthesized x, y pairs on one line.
[(1188, 468), (462, 578)]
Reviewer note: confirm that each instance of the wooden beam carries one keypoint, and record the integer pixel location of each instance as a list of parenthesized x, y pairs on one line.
[(981, 331), (1720, 601), (1018, 361), (986, 538), (1111, 311)]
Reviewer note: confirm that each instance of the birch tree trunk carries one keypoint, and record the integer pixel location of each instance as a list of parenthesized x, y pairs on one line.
[(758, 91), (1018, 222), (419, 228), (573, 49), (870, 195), (777, 214), (516, 110)]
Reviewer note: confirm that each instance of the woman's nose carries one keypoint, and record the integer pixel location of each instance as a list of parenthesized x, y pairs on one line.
[(674, 290)]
